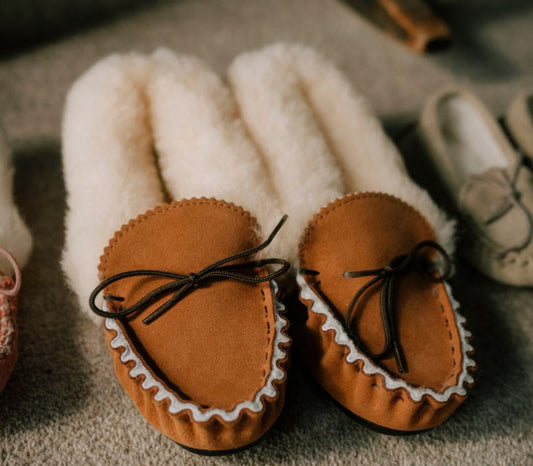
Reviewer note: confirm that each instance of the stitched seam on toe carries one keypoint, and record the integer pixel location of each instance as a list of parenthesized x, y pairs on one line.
[(348, 199)]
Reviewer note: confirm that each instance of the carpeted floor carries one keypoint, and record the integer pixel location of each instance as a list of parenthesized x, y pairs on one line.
[(63, 404)]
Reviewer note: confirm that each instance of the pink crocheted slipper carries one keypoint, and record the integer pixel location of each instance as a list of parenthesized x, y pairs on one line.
[(9, 289)]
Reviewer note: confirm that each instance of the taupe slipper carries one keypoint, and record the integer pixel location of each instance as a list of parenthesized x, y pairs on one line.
[(193, 323), (486, 181)]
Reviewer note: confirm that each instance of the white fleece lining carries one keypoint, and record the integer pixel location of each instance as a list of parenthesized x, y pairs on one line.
[(309, 138), (369, 368), (283, 125), (14, 235), (176, 406), (109, 167), (318, 136), (202, 144)]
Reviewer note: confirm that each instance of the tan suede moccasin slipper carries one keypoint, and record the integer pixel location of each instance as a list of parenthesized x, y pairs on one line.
[(381, 331), (398, 361), (486, 181), (195, 331)]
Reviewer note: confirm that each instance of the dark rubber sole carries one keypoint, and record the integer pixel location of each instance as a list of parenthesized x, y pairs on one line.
[(233, 451), (370, 425), (377, 427)]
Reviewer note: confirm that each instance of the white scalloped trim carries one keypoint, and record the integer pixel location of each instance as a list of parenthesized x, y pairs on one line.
[(176, 406), (369, 368)]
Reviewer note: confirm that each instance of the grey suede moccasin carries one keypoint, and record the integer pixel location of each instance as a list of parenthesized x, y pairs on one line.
[(487, 182)]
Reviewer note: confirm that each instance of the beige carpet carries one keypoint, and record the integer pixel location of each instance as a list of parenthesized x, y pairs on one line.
[(63, 404)]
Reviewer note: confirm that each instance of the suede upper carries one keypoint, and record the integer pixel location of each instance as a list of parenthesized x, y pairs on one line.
[(215, 346), (366, 231), (375, 229)]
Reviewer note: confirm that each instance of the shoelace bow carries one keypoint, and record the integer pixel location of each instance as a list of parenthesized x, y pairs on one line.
[(16, 287), (511, 192), (386, 277), (181, 284), (510, 197)]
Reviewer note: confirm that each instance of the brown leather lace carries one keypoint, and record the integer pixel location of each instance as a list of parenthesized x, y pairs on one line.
[(386, 278), (182, 284)]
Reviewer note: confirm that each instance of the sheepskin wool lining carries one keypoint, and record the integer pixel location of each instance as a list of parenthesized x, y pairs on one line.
[(290, 136), (116, 113), (319, 138), (176, 406), (109, 168), (369, 368), (202, 145)]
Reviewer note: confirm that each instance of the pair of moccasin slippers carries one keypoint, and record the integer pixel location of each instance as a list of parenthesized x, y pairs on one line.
[(193, 319), (485, 172)]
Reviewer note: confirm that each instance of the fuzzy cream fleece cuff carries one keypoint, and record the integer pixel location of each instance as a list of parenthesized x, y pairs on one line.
[(288, 135)]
